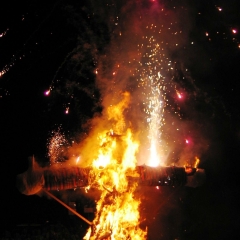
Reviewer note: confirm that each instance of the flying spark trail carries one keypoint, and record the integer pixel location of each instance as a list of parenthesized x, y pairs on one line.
[(3, 33)]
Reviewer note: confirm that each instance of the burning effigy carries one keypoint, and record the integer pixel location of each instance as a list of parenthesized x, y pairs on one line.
[(108, 164)]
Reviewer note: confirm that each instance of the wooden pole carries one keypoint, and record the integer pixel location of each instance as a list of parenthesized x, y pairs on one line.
[(66, 206)]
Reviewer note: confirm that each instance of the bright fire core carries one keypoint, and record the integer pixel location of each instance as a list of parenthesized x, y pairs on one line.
[(117, 210)]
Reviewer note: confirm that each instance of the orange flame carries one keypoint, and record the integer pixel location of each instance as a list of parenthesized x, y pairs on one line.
[(117, 209), (197, 161)]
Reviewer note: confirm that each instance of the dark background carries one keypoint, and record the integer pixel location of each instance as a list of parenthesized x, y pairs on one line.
[(41, 44)]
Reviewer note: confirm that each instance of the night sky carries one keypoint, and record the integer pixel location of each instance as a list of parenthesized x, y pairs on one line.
[(58, 46)]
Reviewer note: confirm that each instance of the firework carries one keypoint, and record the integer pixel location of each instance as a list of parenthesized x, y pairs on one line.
[(56, 145)]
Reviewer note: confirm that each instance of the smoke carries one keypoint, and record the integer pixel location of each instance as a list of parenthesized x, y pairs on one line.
[(139, 47), (125, 63)]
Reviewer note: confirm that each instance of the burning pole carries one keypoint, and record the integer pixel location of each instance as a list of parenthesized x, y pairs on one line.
[(36, 178), (66, 206)]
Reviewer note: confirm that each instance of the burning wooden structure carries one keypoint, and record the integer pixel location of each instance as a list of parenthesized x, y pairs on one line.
[(62, 178), (52, 179)]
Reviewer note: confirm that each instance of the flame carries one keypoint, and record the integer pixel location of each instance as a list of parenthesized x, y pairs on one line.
[(106, 151), (115, 113), (197, 161), (117, 209)]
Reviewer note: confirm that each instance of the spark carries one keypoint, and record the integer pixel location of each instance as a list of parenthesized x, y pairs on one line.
[(67, 110), (56, 145), (47, 93), (179, 95), (4, 33), (2, 73), (152, 73)]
